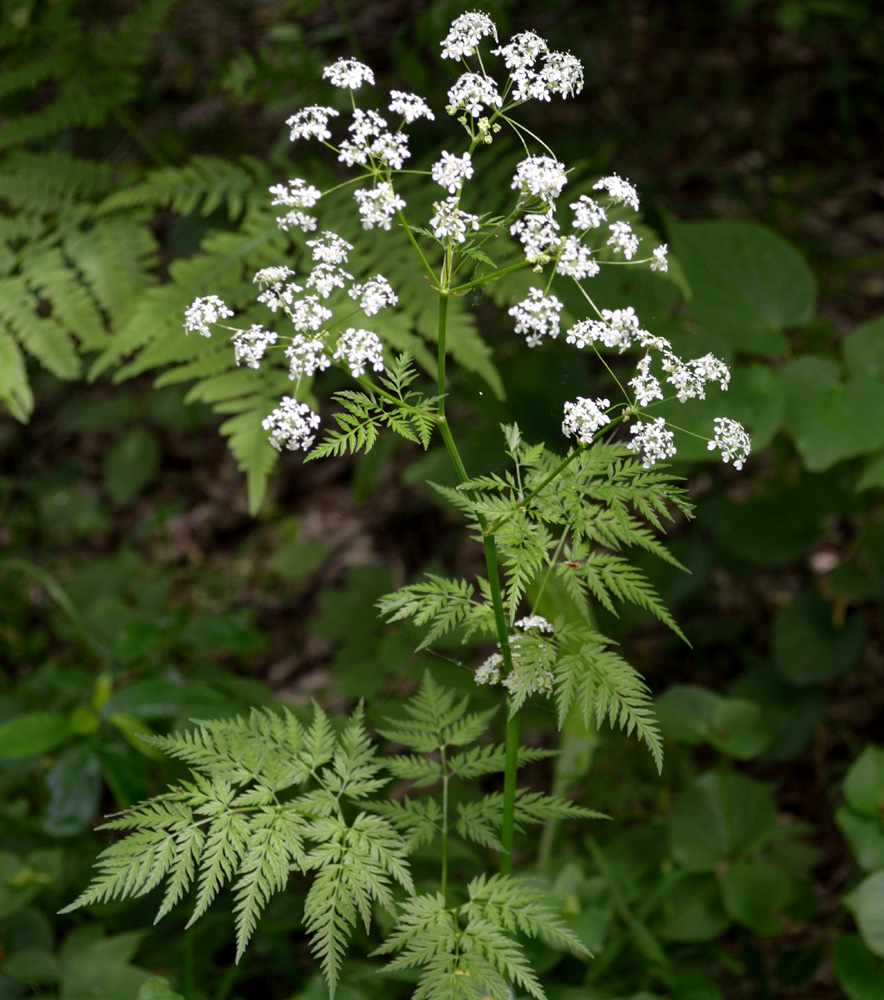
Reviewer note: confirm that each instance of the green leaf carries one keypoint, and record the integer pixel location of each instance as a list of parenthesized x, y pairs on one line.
[(864, 782), (692, 911), (754, 893), (32, 966), (866, 903), (15, 391), (859, 972), (130, 464), (865, 835), (157, 988), (102, 969), (695, 715), (808, 648), (74, 784), (720, 817), (748, 284), (32, 734)]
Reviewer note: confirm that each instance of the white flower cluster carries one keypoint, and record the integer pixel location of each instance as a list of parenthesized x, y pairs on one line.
[(732, 440), (539, 177), (306, 357), (465, 34), (584, 417), (311, 123), (358, 348), (250, 345), (374, 295), (538, 233), (348, 74), (473, 92), (291, 425), (451, 171), (537, 317), (450, 222), (378, 205), (653, 440), (202, 313), (410, 106), (534, 621), (560, 72)]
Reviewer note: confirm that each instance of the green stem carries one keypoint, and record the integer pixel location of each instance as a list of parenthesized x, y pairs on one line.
[(445, 777), (512, 726)]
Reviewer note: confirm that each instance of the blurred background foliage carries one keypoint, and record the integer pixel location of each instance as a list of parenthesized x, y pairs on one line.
[(145, 580)]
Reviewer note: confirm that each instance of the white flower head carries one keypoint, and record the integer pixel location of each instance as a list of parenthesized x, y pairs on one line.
[(451, 171), (473, 92), (622, 328), (311, 123), (588, 214), (349, 74), (450, 222), (391, 149), (537, 317), (538, 234), (297, 194), (278, 294), (619, 190), (296, 219), (623, 239), (660, 261), (249, 345), (534, 621), (690, 377), (272, 277), (465, 34), (586, 332), (307, 313), (291, 425), (410, 106), (378, 205), (584, 417), (374, 295), (732, 439), (539, 177), (306, 357), (576, 260), (646, 387), (562, 74), (489, 671), (358, 348), (522, 51), (329, 248), (325, 278), (653, 440), (201, 313)]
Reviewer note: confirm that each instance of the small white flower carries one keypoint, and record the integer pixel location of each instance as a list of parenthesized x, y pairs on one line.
[(539, 177), (298, 194), (348, 73), (653, 441), (623, 239), (325, 278), (201, 313), (619, 190), (473, 92), (378, 205), (584, 417), (465, 34), (588, 214), (451, 171), (311, 123), (534, 621), (330, 248), (410, 106), (306, 357), (646, 386), (278, 295), (249, 345), (690, 377), (291, 425), (391, 149), (576, 260), (537, 317), (272, 276), (660, 261), (522, 50), (374, 295), (623, 328), (358, 348), (450, 222), (733, 440)]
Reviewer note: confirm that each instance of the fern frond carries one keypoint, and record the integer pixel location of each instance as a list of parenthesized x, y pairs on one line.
[(605, 685), (354, 770), (418, 820), (441, 603), (483, 939)]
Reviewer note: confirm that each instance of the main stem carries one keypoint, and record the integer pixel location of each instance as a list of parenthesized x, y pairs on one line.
[(508, 821)]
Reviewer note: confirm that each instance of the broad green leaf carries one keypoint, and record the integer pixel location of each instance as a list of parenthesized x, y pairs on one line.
[(692, 911), (748, 284), (32, 734), (866, 903), (157, 988), (694, 715), (131, 464), (32, 965), (720, 817), (808, 648), (101, 971), (694, 986), (23, 879), (860, 974), (754, 893), (74, 784), (864, 782), (865, 835)]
